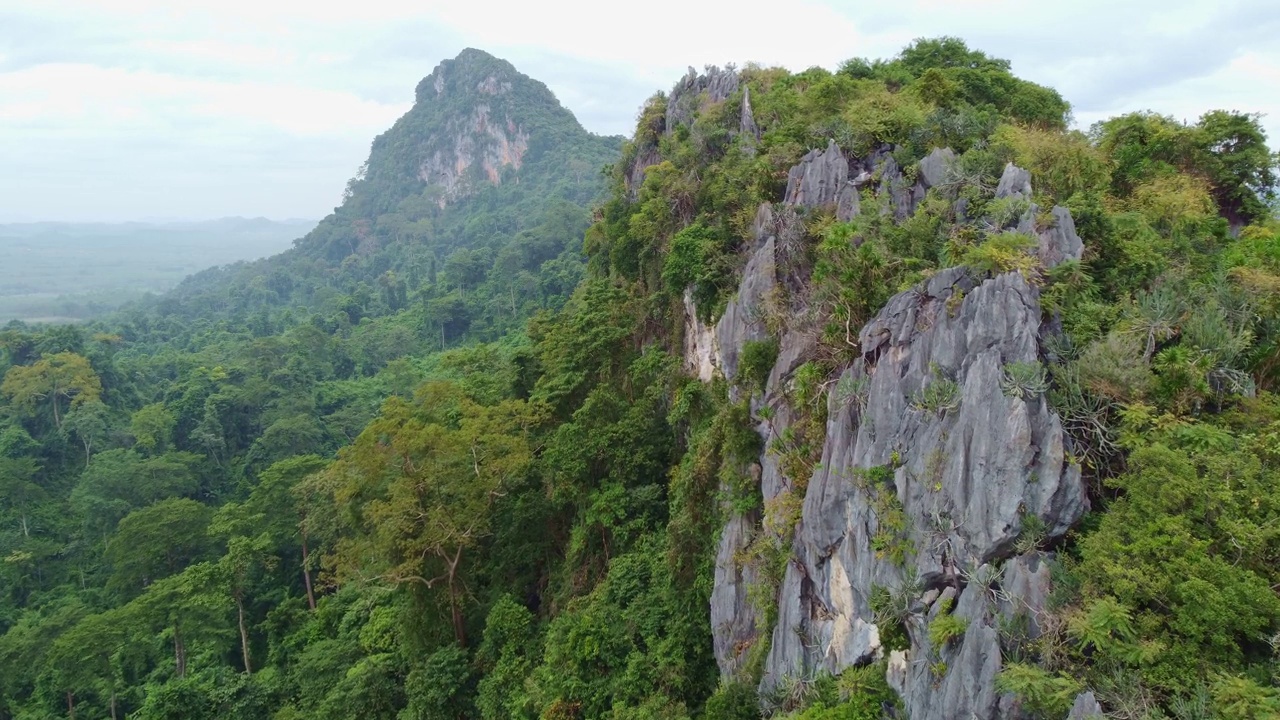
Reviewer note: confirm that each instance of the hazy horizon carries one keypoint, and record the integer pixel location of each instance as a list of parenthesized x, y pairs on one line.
[(158, 220), (71, 271)]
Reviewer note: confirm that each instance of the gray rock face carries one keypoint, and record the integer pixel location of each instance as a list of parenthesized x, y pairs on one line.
[(966, 470), (936, 167), (646, 157), (1025, 584), (903, 196), (733, 616), (1086, 707), (966, 689), (683, 102), (492, 144), (1015, 182), (822, 179), (747, 124), (742, 321), (1060, 241), (700, 351)]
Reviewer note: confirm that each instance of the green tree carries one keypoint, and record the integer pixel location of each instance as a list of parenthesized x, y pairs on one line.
[(90, 422), (116, 482), (19, 491), (157, 541), (64, 379), (436, 479), (152, 427)]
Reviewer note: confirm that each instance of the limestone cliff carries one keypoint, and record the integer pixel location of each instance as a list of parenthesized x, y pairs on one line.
[(925, 425)]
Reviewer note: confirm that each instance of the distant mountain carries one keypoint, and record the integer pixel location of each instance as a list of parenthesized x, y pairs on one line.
[(464, 199)]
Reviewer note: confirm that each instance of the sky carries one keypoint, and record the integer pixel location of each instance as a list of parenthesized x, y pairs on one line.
[(115, 110)]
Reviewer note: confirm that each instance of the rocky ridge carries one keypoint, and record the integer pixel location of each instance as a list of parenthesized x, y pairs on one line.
[(972, 473), (687, 98)]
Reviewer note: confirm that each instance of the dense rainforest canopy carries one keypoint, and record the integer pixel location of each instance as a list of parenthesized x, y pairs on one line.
[(444, 458)]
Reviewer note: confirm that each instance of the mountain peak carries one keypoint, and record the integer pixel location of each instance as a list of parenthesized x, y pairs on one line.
[(476, 121), (475, 71)]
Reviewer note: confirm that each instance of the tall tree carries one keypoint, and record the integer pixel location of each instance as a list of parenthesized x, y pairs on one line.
[(63, 379), (420, 484)]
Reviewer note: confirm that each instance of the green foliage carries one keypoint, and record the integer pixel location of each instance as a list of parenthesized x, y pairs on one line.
[(441, 688), (1002, 253), (56, 380), (1173, 596), (1024, 380), (507, 654), (732, 701), (946, 628), (756, 362), (1061, 164), (699, 259), (1039, 691), (892, 607), (303, 487), (939, 396), (858, 693), (1228, 149)]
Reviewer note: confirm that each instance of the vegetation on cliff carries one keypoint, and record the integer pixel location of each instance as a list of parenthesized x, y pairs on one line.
[(443, 460)]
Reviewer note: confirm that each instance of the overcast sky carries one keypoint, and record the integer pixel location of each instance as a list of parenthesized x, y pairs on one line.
[(130, 109)]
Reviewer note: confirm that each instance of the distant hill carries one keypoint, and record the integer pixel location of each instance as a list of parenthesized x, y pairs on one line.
[(54, 270), (467, 218)]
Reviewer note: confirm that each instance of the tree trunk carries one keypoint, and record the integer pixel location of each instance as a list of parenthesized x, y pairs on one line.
[(459, 628), (306, 574), (25, 531), (57, 418), (244, 635), (71, 705), (455, 607), (179, 652), (113, 705)]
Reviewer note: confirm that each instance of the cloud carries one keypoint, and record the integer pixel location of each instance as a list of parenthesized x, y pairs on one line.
[(113, 109)]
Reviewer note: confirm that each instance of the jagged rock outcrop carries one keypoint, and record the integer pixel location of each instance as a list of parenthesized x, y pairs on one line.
[(1058, 241), (1086, 707), (1014, 182), (477, 121), (747, 127), (683, 102), (647, 155), (923, 425), (935, 168), (967, 467), (733, 616), (742, 321), (699, 342), (822, 178)]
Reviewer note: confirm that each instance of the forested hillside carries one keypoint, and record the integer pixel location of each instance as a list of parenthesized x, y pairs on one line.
[(843, 395)]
